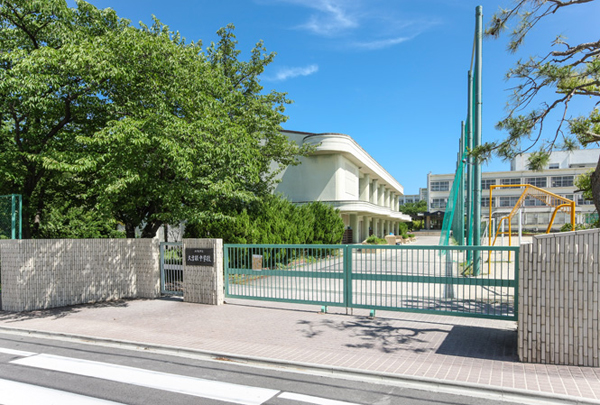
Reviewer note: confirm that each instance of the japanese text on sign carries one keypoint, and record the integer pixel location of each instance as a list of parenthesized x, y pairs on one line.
[(199, 256)]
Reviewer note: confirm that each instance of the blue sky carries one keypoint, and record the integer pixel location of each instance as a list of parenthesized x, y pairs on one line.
[(390, 73)]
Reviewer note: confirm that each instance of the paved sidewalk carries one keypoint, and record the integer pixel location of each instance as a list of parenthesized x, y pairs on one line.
[(451, 349)]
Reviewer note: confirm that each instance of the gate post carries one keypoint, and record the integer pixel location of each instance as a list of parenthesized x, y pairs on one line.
[(347, 276), (203, 271)]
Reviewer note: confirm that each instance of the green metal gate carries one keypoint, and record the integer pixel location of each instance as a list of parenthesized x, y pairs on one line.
[(171, 268), (433, 279)]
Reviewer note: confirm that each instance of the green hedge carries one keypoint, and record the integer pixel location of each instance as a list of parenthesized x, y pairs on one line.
[(273, 220)]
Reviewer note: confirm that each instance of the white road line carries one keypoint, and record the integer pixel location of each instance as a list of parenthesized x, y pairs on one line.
[(312, 400), (16, 352), (15, 393), (222, 391)]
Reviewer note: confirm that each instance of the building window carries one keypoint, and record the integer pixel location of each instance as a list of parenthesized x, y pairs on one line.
[(440, 185), (508, 201), (438, 202), (562, 181), (536, 181), (553, 166), (507, 182), (485, 184), (485, 202), (533, 202), (582, 201)]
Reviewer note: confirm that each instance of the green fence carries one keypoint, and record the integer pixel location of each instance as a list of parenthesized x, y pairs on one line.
[(433, 279), (10, 216)]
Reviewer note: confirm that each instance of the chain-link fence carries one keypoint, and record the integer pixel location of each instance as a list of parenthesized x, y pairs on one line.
[(10, 216)]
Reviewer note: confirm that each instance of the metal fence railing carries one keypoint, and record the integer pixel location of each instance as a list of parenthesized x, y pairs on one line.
[(436, 279), (312, 274), (171, 268)]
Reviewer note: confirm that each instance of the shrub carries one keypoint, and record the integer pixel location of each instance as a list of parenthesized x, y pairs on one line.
[(403, 228), (272, 220), (374, 240), (578, 227)]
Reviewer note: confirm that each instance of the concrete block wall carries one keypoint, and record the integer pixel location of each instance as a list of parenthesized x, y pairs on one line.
[(559, 292), (204, 284), (41, 274)]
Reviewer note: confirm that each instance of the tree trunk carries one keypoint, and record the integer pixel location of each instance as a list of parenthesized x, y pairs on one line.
[(129, 230), (31, 208), (150, 229)]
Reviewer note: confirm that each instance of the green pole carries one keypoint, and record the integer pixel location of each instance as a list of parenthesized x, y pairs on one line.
[(469, 131), (461, 192), (20, 216), (477, 138), (13, 218)]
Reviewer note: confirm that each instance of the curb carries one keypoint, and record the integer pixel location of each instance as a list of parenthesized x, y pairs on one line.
[(420, 383)]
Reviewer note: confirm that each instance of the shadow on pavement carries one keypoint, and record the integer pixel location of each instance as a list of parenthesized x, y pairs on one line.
[(379, 334), (56, 313), (480, 343)]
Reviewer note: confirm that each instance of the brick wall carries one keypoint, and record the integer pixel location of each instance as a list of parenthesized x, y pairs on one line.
[(39, 274), (559, 289)]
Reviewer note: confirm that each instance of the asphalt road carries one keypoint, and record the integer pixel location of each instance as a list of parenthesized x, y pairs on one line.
[(50, 371)]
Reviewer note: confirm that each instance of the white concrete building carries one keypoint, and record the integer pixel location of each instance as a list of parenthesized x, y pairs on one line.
[(558, 178), (414, 198), (343, 174)]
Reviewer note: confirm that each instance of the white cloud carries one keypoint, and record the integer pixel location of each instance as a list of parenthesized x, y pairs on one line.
[(291, 72), (381, 44), (358, 24), (331, 18)]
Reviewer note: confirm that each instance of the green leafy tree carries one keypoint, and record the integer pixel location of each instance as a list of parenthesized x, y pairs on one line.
[(272, 220), (328, 226), (156, 130), (51, 76), (570, 71), (413, 209)]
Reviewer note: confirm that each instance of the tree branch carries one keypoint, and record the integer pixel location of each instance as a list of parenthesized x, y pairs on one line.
[(21, 26)]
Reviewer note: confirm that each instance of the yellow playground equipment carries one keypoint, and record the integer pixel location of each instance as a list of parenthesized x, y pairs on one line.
[(549, 199)]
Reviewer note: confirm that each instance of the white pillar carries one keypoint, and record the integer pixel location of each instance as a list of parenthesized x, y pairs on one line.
[(364, 185), (380, 196), (375, 191), (364, 234)]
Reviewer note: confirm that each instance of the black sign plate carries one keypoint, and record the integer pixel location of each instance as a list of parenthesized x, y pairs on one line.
[(199, 256)]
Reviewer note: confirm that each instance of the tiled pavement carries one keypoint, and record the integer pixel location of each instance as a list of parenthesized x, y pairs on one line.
[(453, 349)]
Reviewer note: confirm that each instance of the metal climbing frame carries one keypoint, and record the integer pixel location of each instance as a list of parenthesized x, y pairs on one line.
[(549, 199)]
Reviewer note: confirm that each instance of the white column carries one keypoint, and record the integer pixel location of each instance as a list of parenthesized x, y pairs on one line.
[(393, 201), (380, 196), (364, 234), (364, 187), (376, 227), (375, 191)]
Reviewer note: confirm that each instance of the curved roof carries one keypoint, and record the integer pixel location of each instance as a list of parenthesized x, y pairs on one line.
[(327, 143)]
